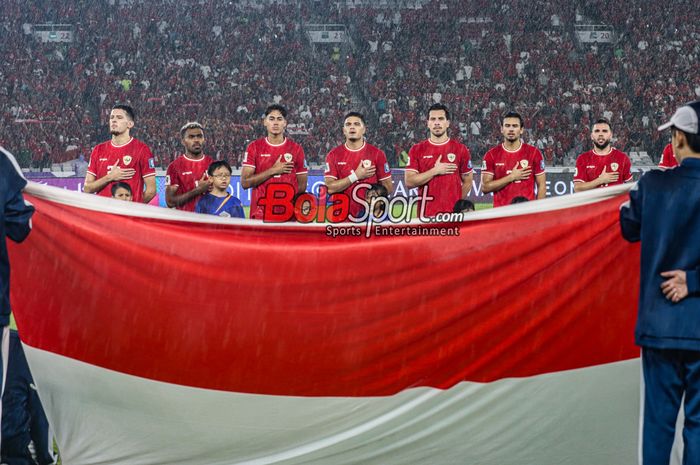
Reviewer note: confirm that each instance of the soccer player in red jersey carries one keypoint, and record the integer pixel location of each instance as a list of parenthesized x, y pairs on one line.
[(356, 162), (513, 168), (273, 159), (604, 165), (123, 158), (186, 179), (439, 164), (668, 158)]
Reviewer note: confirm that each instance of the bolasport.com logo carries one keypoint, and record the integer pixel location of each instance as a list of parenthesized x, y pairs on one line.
[(371, 213)]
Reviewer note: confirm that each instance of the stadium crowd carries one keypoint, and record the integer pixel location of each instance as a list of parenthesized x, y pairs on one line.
[(180, 61)]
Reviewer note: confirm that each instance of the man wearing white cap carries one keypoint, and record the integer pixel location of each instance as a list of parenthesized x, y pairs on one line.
[(664, 213)]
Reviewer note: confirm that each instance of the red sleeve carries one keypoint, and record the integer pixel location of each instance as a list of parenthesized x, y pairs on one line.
[(250, 157), (383, 170), (538, 163), (413, 164), (627, 170), (148, 164), (465, 165), (488, 167), (300, 161), (331, 168), (171, 176), (668, 160), (580, 173), (92, 165)]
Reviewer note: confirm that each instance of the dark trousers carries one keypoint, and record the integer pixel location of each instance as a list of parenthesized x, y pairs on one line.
[(23, 417), (668, 374)]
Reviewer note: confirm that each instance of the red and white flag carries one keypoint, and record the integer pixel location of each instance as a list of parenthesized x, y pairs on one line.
[(165, 337)]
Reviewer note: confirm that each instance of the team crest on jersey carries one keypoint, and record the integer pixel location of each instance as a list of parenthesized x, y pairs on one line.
[(451, 157), (366, 163), (127, 159), (614, 166), (524, 163), (288, 157)]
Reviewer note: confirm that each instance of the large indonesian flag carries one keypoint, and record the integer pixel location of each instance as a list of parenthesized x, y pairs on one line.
[(163, 337)]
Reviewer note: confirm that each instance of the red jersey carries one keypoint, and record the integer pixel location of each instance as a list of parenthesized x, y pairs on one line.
[(446, 190), (589, 165), (668, 159), (134, 154), (261, 155), (499, 162), (184, 173), (341, 161)]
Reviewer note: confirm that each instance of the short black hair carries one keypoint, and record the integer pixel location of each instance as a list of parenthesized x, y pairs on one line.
[(218, 164), (127, 109), (380, 189), (120, 185), (437, 107), (602, 121), (276, 107), (463, 204), (190, 125), (356, 114), (519, 199), (693, 139), (512, 114)]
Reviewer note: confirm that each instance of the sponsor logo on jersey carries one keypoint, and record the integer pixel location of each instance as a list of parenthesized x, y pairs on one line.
[(451, 157), (614, 166), (524, 163), (366, 163), (342, 163), (497, 164), (151, 163), (127, 159), (187, 172), (103, 159), (590, 166), (427, 156), (265, 155)]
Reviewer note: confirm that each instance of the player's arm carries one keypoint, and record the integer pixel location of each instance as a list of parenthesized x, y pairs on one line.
[(302, 180), (150, 192), (358, 174), (249, 178), (173, 199), (415, 179), (117, 173), (541, 180), (488, 184), (604, 178), (467, 180), (388, 183)]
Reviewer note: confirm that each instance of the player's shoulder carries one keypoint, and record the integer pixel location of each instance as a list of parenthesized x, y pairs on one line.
[(10, 168), (620, 154), (292, 144), (531, 149), (584, 155), (373, 149), (139, 143), (338, 150), (494, 151)]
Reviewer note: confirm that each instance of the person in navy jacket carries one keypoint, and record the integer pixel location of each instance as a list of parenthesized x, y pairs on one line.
[(663, 212)]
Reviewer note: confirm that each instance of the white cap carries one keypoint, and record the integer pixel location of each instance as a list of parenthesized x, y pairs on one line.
[(685, 118)]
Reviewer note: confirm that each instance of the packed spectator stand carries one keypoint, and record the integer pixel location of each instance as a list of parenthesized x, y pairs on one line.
[(223, 62)]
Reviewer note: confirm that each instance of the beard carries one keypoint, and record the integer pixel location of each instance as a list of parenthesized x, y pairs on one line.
[(602, 146)]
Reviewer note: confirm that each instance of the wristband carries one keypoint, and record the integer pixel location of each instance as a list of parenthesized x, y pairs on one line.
[(353, 177)]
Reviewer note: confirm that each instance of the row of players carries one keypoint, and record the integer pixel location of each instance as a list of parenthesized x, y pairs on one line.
[(441, 165)]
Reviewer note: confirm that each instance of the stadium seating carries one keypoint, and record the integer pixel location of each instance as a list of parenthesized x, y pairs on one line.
[(223, 62)]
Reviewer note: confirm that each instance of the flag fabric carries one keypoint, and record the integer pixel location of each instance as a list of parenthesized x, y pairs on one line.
[(166, 337)]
